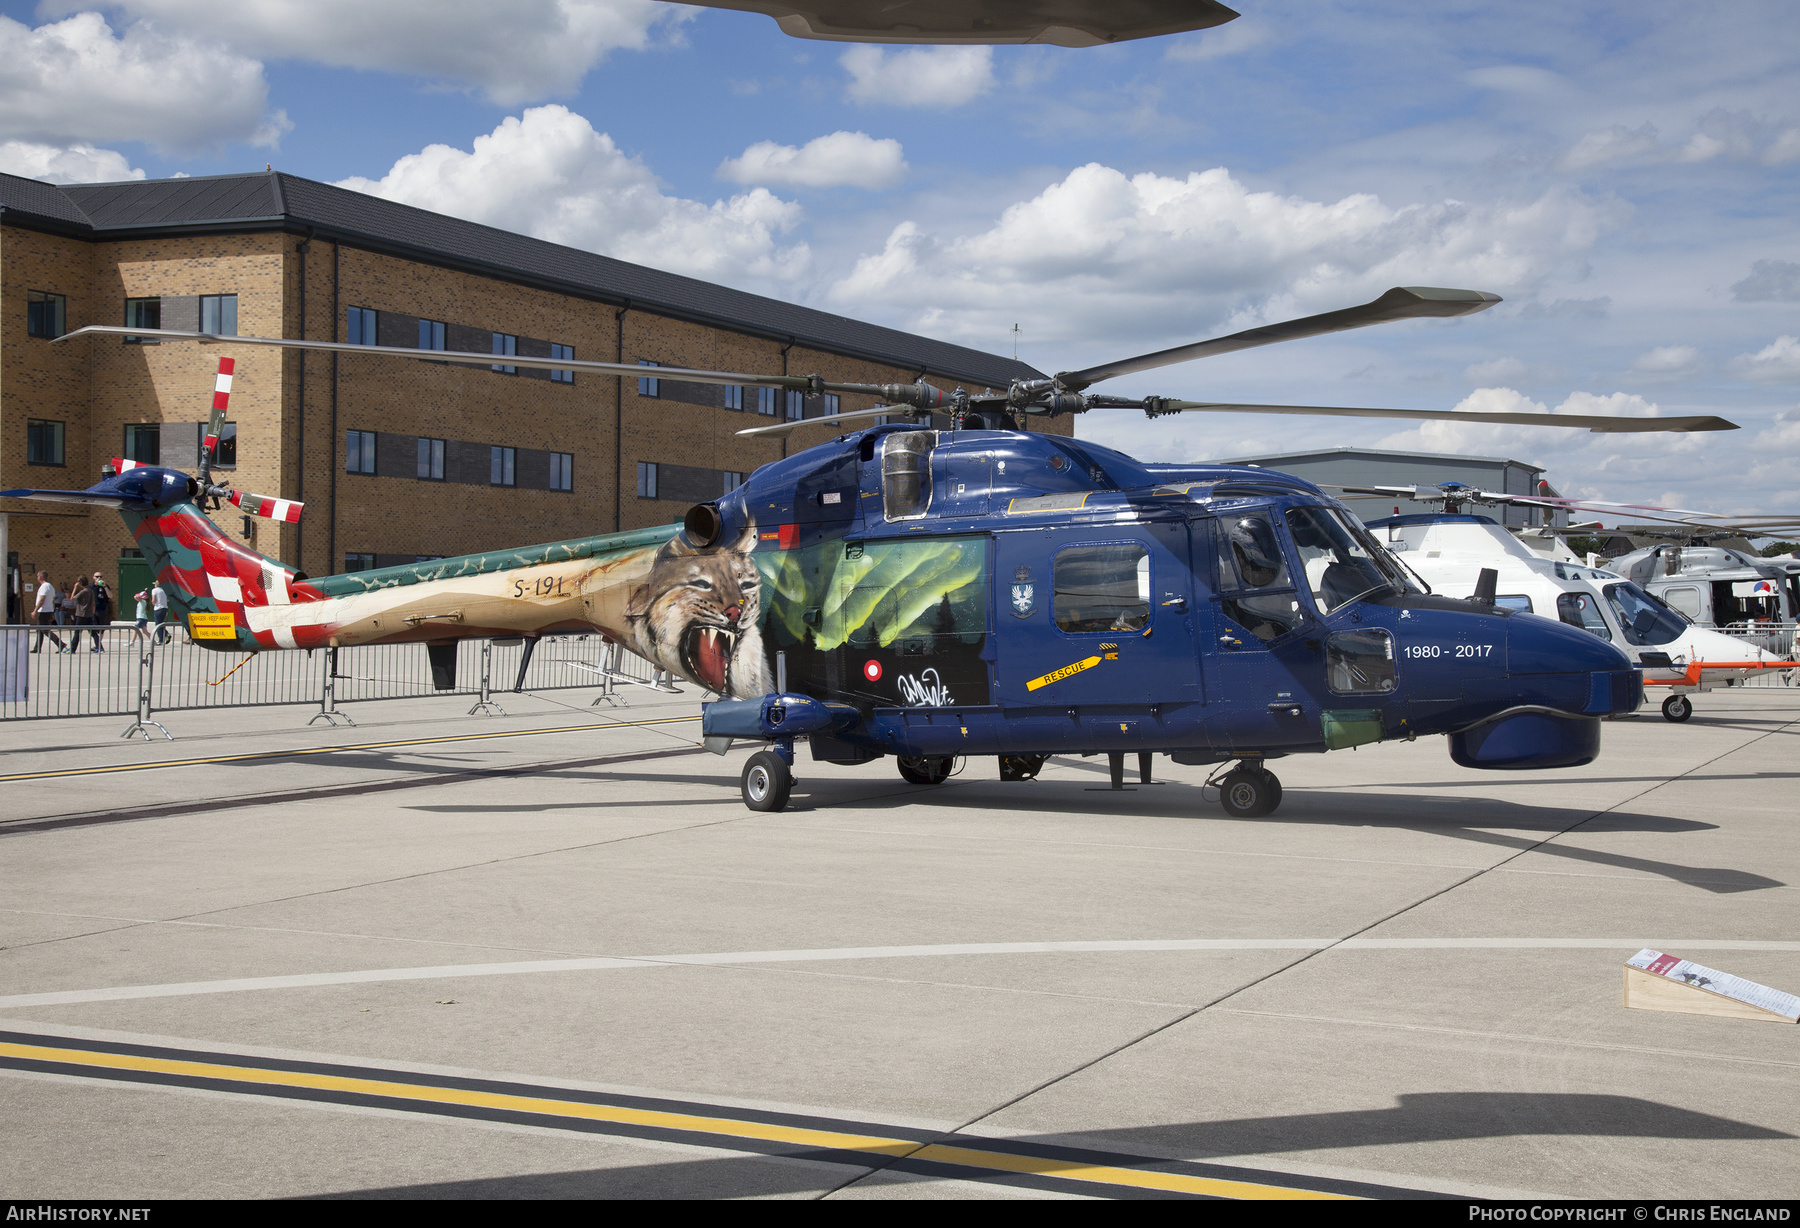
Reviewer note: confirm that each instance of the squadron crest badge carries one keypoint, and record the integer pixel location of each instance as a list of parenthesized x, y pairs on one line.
[(1024, 593)]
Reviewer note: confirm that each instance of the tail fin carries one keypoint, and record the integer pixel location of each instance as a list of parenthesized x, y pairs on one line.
[(202, 570)]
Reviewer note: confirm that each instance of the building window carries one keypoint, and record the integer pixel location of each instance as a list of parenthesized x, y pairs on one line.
[(646, 480), (648, 384), (431, 459), (831, 404), (557, 373), (226, 456), (43, 442), (143, 443), (562, 471), (359, 451), (142, 313), (359, 562), (500, 466), (45, 315), (431, 334), (359, 326), (218, 314), (504, 344), (734, 396), (796, 405), (427, 558), (732, 482), (765, 402)]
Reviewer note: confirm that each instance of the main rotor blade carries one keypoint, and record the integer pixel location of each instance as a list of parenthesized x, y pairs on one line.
[(1593, 422), (1400, 303), (781, 430), (1063, 23), (796, 383)]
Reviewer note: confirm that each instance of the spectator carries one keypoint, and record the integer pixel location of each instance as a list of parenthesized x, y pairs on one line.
[(159, 610), (81, 606), (103, 609), (45, 611), (143, 615), (64, 607)]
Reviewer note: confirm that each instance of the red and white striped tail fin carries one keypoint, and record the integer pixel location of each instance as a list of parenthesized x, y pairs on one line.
[(270, 509)]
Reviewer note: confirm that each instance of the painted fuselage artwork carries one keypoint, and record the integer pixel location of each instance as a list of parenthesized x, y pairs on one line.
[(974, 592)]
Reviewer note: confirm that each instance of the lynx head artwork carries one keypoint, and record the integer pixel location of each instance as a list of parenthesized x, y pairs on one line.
[(697, 613)]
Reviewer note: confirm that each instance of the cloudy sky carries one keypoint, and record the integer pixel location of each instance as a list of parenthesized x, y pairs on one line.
[(1624, 174)]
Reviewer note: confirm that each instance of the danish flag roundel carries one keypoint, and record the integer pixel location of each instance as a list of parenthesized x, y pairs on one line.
[(872, 671)]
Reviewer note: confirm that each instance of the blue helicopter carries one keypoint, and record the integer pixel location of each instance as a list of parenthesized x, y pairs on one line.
[(983, 591)]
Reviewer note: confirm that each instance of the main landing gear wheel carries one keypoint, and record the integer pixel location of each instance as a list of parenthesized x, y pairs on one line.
[(924, 770), (1677, 708), (1249, 792), (766, 782)]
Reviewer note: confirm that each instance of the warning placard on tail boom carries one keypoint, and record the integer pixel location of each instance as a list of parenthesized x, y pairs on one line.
[(212, 626)]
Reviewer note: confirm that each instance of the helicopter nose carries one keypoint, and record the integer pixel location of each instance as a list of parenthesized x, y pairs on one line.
[(1559, 682)]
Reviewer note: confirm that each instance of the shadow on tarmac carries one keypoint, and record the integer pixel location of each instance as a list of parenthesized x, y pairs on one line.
[(1420, 1117)]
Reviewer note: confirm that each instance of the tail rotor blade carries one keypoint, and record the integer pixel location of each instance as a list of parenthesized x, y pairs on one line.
[(266, 507), (215, 422)]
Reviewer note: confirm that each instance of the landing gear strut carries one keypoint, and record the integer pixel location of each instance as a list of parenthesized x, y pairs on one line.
[(1677, 708), (1249, 791)]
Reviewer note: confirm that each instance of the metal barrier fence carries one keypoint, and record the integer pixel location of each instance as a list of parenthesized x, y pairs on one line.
[(1777, 638), (132, 674)]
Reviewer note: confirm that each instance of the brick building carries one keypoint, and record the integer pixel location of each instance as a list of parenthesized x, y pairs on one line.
[(394, 460)]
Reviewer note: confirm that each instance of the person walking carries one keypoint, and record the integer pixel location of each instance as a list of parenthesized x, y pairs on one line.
[(44, 609), (143, 616), (81, 605), (103, 610), (64, 607), (159, 610)]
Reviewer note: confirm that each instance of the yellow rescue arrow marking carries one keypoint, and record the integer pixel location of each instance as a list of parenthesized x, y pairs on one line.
[(1067, 671)]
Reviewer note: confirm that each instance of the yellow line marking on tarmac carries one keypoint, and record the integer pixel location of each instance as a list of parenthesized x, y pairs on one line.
[(327, 750), (720, 1127)]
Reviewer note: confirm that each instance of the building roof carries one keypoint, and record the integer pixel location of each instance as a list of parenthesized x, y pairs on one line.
[(273, 200), (1379, 454)]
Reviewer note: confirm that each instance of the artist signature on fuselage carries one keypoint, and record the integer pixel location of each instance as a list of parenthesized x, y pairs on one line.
[(925, 691)]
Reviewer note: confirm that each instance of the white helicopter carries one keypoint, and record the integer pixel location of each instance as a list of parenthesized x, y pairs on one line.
[(1462, 554)]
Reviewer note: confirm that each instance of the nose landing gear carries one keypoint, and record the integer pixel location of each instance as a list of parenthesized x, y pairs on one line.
[(1677, 708), (1249, 790), (767, 781)]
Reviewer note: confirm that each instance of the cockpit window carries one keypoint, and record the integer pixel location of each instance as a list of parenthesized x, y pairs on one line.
[(906, 473), (1582, 610), (1254, 585), (1341, 566), (1644, 620)]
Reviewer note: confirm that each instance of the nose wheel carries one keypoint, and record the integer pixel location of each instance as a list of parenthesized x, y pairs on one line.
[(1249, 791), (1677, 708), (766, 782)]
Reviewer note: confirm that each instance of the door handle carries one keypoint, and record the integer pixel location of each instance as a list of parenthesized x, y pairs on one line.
[(1174, 602), (1231, 641)]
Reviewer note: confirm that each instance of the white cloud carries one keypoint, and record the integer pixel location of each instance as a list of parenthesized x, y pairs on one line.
[(919, 76), (1770, 281), (1230, 39), (1615, 144), (65, 164), (75, 81), (1496, 371), (1737, 135), (1667, 362), (1776, 363), (548, 173), (841, 158), (516, 51), (1100, 254)]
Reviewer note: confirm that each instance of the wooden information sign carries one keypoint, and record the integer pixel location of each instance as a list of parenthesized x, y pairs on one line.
[(1658, 982)]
